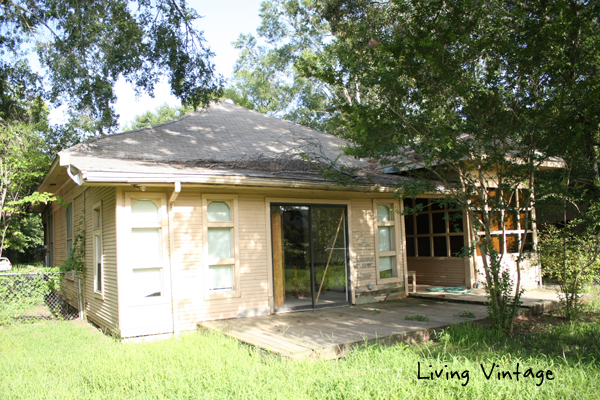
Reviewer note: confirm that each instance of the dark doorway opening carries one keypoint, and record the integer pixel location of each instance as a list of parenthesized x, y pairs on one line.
[(310, 256)]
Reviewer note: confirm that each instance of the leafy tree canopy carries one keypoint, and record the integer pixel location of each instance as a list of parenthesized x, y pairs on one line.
[(474, 94), (265, 76), (163, 113), (84, 47)]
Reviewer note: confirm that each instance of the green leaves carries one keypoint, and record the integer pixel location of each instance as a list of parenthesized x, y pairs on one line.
[(85, 47)]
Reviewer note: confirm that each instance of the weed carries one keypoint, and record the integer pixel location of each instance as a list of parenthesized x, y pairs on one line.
[(417, 317)]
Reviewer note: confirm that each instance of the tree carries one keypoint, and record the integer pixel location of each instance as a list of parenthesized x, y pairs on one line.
[(163, 113), (467, 93), (85, 46), (23, 163), (265, 77)]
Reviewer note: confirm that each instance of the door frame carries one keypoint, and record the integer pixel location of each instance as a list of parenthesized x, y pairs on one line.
[(350, 278)]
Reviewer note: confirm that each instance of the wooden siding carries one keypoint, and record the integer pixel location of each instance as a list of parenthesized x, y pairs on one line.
[(438, 271), (102, 309), (191, 304)]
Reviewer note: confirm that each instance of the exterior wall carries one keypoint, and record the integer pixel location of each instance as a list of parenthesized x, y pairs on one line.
[(190, 302), (530, 271), (101, 308)]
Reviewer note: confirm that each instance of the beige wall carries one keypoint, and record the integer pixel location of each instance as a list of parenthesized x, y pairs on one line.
[(100, 308)]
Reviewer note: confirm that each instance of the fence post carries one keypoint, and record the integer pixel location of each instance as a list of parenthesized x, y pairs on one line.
[(79, 296)]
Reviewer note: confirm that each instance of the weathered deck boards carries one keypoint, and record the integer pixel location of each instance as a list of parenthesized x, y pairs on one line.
[(331, 333)]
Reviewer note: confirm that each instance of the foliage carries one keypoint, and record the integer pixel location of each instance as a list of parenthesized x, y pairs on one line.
[(265, 77), (23, 163), (30, 297), (467, 94), (465, 314), (193, 365), (417, 317), (85, 47), (572, 258), (24, 235), (163, 113)]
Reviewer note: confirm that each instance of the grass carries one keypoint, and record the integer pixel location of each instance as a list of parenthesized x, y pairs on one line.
[(466, 314), (66, 360), (422, 318)]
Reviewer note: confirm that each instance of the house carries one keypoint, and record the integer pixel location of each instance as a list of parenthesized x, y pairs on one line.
[(218, 214)]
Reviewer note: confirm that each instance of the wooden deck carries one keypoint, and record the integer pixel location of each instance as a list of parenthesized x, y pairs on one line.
[(331, 333)]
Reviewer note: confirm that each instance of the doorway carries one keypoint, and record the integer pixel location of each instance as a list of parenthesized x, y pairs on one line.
[(310, 256)]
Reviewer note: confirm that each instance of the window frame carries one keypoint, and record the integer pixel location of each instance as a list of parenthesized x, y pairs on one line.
[(98, 284), (232, 202), (431, 235), (397, 253), (502, 234)]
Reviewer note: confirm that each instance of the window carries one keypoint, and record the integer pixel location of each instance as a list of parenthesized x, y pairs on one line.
[(386, 239), (147, 249), (220, 246), (50, 252), (509, 225), (97, 232), (69, 229), (434, 231)]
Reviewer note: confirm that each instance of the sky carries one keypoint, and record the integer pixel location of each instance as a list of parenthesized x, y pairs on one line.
[(223, 21)]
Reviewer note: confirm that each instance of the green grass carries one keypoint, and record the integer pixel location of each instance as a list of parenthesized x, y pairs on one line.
[(65, 360), (422, 318), (465, 314)]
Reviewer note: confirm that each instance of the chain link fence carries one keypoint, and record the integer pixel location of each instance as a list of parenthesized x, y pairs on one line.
[(35, 296)]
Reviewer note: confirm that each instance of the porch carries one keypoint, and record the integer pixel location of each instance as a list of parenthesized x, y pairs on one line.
[(330, 333)]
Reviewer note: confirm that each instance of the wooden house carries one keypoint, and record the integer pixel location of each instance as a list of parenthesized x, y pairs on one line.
[(218, 214)]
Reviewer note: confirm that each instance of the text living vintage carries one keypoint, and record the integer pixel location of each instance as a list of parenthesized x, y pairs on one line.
[(492, 372)]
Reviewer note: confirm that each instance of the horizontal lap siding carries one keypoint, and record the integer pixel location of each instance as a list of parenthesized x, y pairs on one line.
[(103, 310), (438, 272), (187, 267), (362, 253)]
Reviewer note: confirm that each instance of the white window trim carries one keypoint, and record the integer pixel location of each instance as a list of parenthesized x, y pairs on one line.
[(232, 201), (97, 232), (161, 201), (396, 253)]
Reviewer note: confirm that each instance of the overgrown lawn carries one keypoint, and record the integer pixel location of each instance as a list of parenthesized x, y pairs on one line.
[(66, 360)]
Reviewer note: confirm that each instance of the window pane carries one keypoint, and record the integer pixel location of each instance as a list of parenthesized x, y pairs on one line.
[(410, 247), (69, 247), (528, 242), (219, 243), (424, 247), (220, 277), (422, 224), (383, 213), (510, 221), (438, 222), (145, 244), (424, 203), (456, 245), (455, 221), (409, 224), (69, 218), (408, 203), (386, 267), (440, 248), (512, 243), (98, 261), (526, 220), (386, 238), (97, 221), (497, 243), (147, 283), (144, 211), (218, 211)]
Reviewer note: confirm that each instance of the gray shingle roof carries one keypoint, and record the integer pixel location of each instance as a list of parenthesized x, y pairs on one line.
[(223, 139)]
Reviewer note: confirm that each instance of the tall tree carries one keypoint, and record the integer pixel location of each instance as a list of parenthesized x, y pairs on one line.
[(84, 47), (471, 93), (265, 76)]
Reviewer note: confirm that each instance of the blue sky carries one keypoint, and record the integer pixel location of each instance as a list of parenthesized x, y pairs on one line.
[(223, 21)]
